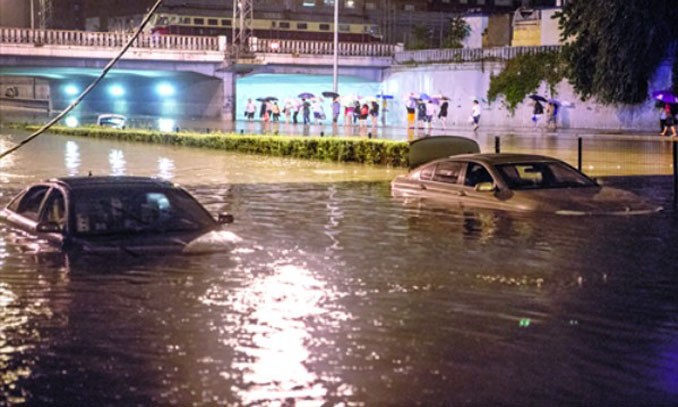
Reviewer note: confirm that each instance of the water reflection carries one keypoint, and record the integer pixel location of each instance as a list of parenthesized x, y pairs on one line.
[(166, 168), (72, 158), (116, 160), (276, 336)]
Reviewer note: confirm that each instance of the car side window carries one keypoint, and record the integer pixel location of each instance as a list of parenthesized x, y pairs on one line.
[(448, 171), (55, 208), (476, 174), (29, 206), (426, 173)]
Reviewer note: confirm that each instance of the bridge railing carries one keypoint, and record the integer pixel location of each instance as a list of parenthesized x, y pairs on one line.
[(321, 48), (108, 40), (468, 54)]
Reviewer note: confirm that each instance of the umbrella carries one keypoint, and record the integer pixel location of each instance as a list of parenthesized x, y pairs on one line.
[(424, 96), (260, 99), (270, 98), (665, 96), (306, 95), (538, 98), (554, 102), (440, 97), (332, 95)]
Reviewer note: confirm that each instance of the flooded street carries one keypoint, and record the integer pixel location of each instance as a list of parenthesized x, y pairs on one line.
[(339, 295)]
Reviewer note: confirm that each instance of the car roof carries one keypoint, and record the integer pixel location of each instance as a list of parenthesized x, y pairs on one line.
[(495, 159), (108, 181)]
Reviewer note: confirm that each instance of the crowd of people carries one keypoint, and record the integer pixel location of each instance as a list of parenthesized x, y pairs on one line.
[(357, 112)]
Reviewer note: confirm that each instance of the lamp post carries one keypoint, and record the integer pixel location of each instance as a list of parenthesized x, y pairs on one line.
[(335, 68)]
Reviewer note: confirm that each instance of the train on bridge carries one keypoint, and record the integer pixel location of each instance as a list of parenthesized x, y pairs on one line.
[(276, 29)]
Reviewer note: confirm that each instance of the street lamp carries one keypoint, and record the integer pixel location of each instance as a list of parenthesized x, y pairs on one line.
[(335, 68)]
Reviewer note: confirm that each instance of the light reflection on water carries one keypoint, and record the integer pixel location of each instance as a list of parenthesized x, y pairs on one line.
[(339, 295)]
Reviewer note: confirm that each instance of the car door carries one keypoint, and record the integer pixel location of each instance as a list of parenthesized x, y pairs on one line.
[(474, 174), (445, 181), (25, 212)]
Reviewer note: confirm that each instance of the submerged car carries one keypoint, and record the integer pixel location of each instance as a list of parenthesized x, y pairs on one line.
[(516, 182), (116, 121), (113, 214)]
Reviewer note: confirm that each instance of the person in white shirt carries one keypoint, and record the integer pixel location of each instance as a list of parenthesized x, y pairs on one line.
[(475, 114), (250, 109), (430, 112)]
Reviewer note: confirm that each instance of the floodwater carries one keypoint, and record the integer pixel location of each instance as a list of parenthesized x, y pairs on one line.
[(338, 295)]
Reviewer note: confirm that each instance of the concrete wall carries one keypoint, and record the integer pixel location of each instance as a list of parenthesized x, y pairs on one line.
[(464, 82), (15, 13), (478, 25), (550, 32)]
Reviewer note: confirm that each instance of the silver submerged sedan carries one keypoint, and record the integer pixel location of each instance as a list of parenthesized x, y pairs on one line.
[(517, 182)]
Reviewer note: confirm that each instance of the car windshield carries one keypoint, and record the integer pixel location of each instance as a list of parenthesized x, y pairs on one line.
[(542, 175), (131, 210)]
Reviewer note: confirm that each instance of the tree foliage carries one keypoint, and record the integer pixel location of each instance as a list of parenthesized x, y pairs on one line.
[(615, 46), (420, 37), (458, 31), (523, 75)]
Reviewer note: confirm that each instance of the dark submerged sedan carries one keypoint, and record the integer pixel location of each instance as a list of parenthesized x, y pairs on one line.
[(517, 182), (113, 214)]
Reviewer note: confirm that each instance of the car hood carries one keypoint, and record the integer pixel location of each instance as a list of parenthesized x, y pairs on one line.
[(179, 242), (585, 201)]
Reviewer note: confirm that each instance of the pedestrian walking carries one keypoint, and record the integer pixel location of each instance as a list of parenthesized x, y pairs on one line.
[(356, 112), (318, 112), (537, 113), (552, 115), (336, 110), (287, 110), (374, 112), (670, 121), (306, 108), (297, 107), (411, 107), (662, 118), (442, 114), (430, 112), (250, 109), (421, 113), (275, 109), (364, 113), (262, 110), (475, 115)]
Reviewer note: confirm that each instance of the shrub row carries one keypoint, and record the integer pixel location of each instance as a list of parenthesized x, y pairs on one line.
[(342, 149)]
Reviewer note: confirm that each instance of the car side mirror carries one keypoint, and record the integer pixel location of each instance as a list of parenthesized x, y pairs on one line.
[(225, 218), (485, 187), (48, 227)]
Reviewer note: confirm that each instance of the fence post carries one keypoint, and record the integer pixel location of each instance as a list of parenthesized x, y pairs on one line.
[(497, 145), (675, 174), (579, 153)]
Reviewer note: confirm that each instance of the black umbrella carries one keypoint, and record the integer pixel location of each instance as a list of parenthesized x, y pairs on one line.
[(271, 98), (332, 95), (538, 98), (260, 99)]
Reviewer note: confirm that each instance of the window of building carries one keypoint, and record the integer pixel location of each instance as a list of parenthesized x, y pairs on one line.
[(302, 26), (199, 21), (225, 22), (349, 4), (370, 5), (344, 27), (212, 21), (308, 3), (185, 20), (324, 27), (284, 24), (328, 2), (273, 24)]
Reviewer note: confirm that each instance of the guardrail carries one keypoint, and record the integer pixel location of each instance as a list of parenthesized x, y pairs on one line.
[(468, 54), (109, 40), (346, 49)]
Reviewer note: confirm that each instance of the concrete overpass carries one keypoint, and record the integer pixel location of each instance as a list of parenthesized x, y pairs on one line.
[(75, 55)]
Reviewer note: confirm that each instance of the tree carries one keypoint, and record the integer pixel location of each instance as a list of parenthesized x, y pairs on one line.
[(420, 38), (459, 30), (616, 46)]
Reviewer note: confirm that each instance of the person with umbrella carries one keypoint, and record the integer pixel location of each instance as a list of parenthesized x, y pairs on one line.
[(552, 114), (442, 113), (306, 111), (336, 109), (670, 122)]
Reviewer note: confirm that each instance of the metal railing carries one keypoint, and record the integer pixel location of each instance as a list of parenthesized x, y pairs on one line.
[(346, 49), (469, 54), (108, 40)]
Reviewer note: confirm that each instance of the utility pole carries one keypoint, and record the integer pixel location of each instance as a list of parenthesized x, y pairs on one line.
[(335, 61), (243, 16)]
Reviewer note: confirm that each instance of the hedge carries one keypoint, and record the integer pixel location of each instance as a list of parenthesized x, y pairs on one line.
[(342, 149)]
